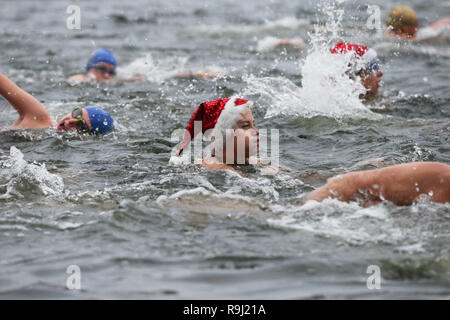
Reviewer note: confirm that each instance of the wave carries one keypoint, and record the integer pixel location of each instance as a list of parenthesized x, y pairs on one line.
[(405, 228), (157, 70), (18, 178)]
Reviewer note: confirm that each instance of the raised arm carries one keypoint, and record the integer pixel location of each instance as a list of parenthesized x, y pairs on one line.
[(32, 114)]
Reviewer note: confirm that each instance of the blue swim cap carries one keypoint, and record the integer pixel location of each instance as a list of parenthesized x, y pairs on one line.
[(101, 121), (101, 55)]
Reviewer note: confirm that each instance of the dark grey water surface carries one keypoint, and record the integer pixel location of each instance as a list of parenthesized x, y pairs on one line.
[(138, 228)]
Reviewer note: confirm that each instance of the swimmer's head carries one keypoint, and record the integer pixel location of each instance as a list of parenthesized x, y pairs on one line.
[(229, 123), (403, 19), (371, 81), (363, 63), (102, 65), (90, 119)]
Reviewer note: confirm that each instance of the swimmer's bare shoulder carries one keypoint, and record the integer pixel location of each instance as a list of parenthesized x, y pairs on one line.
[(400, 184), (76, 79), (36, 123), (211, 163)]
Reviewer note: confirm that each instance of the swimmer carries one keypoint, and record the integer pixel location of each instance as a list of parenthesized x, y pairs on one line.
[(402, 184), (100, 67), (402, 23), (364, 64), (231, 123), (33, 115)]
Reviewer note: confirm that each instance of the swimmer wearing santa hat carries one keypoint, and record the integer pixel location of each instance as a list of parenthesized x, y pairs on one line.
[(364, 64), (230, 127), (232, 120)]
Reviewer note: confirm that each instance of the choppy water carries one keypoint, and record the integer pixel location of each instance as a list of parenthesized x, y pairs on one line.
[(138, 228)]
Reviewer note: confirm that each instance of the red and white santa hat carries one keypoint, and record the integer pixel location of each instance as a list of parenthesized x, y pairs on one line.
[(221, 114), (363, 56)]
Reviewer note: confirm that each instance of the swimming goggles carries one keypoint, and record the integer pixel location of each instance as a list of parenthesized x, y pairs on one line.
[(374, 67), (82, 126), (104, 69)]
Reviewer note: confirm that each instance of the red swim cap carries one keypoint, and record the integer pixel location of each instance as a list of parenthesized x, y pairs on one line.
[(363, 55)]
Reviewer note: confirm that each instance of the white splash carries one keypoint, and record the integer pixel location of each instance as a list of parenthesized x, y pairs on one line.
[(201, 200), (19, 177), (436, 34), (286, 22), (344, 221), (267, 44), (326, 90), (157, 70), (154, 69)]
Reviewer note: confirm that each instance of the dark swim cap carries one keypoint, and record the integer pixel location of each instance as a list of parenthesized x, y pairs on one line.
[(101, 55), (101, 121)]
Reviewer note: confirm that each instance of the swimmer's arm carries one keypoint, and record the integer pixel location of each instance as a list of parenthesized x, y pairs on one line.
[(212, 164), (183, 75), (28, 107), (403, 183), (400, 184), (440, 22), (135, 78), (341, 187), (200, 74), (77, 78), (296, 43), (190, 74)]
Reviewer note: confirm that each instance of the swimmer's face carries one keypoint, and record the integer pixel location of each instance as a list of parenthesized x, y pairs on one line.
[(371, 81), (245, 132), (102, 71), (409, 30), (69, 123)]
